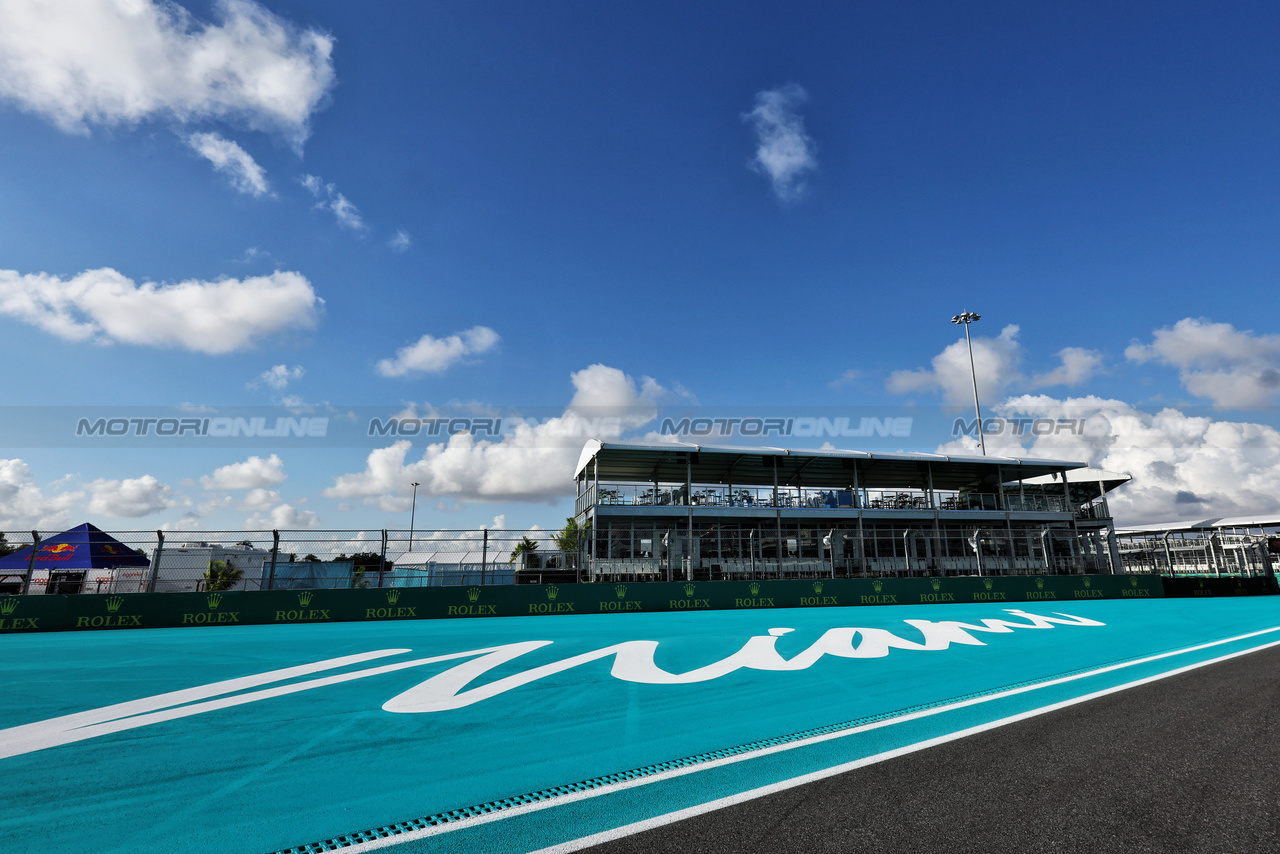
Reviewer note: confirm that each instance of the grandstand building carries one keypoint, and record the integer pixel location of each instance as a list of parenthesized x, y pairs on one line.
[(1228, 546), (690, 512)]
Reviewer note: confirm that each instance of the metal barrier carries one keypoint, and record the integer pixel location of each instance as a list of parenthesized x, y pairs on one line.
[(154, 610)]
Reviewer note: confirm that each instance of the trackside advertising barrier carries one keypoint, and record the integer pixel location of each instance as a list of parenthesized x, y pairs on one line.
[(1192, 587), (164, 610)]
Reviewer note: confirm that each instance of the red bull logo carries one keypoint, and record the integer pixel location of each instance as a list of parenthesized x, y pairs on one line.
[(60, 548), (112, 550)]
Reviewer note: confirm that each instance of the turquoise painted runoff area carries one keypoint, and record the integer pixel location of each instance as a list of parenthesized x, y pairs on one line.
[(311, 764)]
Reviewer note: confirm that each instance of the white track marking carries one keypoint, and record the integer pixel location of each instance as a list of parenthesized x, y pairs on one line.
[(658, 821)]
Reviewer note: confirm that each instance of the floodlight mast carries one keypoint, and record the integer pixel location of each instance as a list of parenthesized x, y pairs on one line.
[(412, 513), (967, 317)]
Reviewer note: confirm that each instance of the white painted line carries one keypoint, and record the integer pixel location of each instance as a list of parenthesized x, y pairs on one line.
[(658, 821), (752, 794)]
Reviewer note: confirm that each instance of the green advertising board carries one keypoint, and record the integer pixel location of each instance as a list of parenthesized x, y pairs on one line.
[(163, 610)]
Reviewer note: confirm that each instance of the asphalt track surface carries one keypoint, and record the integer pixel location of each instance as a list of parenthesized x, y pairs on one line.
[(1188, 763), (260, 738)]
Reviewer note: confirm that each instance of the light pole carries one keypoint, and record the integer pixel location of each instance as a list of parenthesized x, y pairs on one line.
[(966, 318), (412, 513)]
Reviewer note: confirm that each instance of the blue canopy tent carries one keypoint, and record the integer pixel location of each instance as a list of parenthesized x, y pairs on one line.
[(75, 551)]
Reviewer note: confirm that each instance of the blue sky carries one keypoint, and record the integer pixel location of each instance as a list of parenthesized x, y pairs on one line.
[(327, 207)]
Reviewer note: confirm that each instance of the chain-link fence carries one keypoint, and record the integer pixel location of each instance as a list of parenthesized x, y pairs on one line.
[(88, 560)]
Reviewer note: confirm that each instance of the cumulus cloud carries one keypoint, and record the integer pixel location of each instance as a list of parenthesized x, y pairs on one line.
[(279, 376), (24, 505), (435, 355), (260, 499), (533, 462), (207, 317), (1216, 361), (119, 61), (1184, 466), (784, 152), (1076, 365), (132, 497), (329, 199), (231, 160), (284, 516), (253, 473), (401, 241), (996, 361)]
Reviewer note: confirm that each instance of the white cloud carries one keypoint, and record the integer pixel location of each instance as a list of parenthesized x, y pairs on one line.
[(24, 505), (1183, 466), (534, 462), (113, 61), (279, 376), (401, 241), (260, 499), (284, 516), (1077, 366), (231, 160), (253, 473), (1216, 361), (435, 355), (996, 361), (132, 497), (329, 199), (208, 317), (784, 151)]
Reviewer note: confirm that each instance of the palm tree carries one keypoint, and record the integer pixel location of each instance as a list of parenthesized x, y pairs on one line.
[(573, 539), (524, 547), (222, 575)]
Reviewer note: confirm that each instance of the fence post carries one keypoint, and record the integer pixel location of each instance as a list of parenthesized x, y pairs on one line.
[(31, 562), (275, 553), (484, 557), (155, 562), (382, 558)]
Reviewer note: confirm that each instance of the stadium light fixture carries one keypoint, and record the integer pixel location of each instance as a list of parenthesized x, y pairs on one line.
[(412, 513), (967, 317)]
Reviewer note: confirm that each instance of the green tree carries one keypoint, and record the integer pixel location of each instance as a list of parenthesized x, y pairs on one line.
[(221, 575), (525, 546), (573, 540), (7, 548), (364, 563)]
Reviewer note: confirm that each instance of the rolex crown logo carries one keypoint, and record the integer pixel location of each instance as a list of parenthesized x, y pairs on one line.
[(304, 599), (754, 587), (876, 585), (552, 591), (1039, 583), (621, 590), (936, 584), (688, 590), (1087, 581), (214, 600), (393, 596), (817, 587), (987, 582), (473, 593), (1133, 581), (114, 603), (7, 604)]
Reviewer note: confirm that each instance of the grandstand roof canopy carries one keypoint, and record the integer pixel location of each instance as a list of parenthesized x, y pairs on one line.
[(1086, 484), (670, 462), (1271, 521)]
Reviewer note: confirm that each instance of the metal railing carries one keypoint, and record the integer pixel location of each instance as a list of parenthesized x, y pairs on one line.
[(638, 495)]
